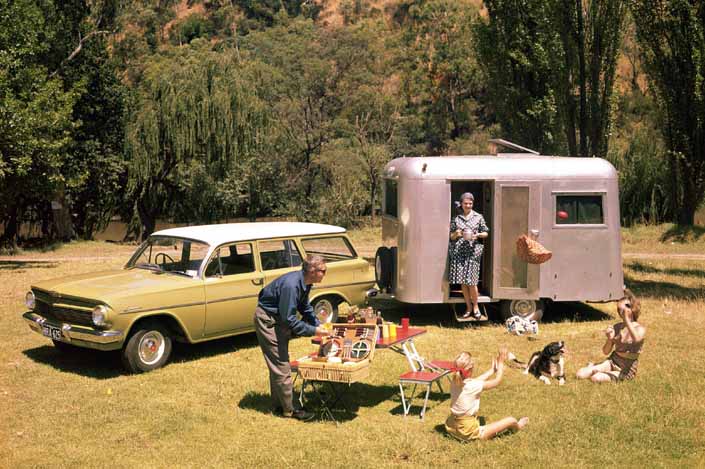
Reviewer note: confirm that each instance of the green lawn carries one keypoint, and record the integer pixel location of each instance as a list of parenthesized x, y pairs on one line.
[(209, 407)]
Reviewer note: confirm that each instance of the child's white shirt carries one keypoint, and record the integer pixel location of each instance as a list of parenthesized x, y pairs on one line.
[(465, 396)]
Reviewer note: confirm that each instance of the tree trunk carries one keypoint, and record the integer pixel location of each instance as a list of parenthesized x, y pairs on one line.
[(9, 236), (147, 220)]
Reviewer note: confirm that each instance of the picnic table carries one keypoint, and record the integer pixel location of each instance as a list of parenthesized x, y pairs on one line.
[(331, 394)]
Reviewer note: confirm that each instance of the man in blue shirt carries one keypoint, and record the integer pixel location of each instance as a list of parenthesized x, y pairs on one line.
[(276, 322)]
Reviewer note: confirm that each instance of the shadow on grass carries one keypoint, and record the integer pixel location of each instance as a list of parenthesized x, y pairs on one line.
[(183, 353), (683, 233), (649, 269), (344, 401), (656, 289), (573, 311), (21, 265), (106, 365), (84, 362), (441, 315)]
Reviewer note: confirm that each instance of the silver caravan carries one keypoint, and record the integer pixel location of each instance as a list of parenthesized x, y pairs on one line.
[(569, 205)]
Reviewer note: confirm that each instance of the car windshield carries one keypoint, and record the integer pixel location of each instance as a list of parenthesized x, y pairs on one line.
[(171, 255)]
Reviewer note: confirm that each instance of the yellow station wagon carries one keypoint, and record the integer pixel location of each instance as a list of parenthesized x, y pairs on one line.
[(192, 284)]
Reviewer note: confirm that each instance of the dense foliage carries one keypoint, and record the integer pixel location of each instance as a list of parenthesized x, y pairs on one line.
[(206, 110)]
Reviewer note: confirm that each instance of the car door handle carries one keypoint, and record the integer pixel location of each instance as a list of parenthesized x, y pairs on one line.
[(257, 281)]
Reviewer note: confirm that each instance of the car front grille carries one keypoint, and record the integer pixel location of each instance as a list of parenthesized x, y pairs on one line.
[(46, 308)]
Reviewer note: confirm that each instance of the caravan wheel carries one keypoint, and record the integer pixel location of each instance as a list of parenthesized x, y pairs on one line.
[(530, 309)]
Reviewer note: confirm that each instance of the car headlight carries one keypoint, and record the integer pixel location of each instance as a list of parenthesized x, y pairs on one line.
[(30, 301), (100, 315)]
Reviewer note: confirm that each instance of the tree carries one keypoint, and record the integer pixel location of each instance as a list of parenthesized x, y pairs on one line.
[(35, 117), (551, 68), (672, 39), (516, 46), (590, 33), (303, 95), (194, 105), (441, 77)]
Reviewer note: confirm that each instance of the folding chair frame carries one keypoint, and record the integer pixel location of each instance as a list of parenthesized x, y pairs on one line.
[(418, 379)]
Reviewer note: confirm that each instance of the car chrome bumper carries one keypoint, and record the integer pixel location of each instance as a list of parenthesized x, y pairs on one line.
[(77, 335)]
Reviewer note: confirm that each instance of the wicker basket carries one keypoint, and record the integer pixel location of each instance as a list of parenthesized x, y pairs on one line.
[(532, 251), (349, 372), (338, 372)]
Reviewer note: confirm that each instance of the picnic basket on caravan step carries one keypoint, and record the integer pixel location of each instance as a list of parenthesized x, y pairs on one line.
[(344, 357)]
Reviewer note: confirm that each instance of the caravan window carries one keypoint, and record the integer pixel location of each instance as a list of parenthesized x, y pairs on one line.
[(390, 198), (579, 210)]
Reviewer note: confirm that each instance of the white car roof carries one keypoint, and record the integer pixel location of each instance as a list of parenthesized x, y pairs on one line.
[(215, 235)]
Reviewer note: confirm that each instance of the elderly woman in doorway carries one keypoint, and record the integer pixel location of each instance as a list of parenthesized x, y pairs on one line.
[(465, 252)]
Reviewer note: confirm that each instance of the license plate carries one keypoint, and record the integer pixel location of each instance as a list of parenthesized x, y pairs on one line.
[(52, 332)]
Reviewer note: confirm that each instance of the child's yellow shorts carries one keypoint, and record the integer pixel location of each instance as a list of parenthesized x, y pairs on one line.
[(465, 427)]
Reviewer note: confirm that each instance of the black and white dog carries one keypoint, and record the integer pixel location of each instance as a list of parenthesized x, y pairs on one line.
[(546, 364)]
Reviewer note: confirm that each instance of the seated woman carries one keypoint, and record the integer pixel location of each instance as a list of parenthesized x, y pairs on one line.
[(623, 345)]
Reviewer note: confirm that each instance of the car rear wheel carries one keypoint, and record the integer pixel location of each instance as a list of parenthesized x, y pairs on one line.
[(527, 309), (148, 348), (326, 308)]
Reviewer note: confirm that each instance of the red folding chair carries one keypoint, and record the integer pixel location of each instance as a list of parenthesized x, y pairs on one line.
[(424, 373)]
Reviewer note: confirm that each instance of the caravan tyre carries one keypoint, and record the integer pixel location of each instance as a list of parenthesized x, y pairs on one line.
[(528, 309), (383, 267)]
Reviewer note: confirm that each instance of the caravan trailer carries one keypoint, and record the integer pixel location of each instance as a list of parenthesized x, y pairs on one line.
[(569, 205)]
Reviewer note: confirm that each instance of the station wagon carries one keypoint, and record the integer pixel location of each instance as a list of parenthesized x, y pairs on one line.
[(192, 284)]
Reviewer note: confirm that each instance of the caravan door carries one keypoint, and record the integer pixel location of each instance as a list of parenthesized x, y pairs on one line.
[(517, 212)]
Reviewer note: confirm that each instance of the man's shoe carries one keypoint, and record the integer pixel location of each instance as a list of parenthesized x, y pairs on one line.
[(278, 411), (302, 415)]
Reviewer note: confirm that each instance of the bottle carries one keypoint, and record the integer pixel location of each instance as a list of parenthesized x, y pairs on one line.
[(380, 322)]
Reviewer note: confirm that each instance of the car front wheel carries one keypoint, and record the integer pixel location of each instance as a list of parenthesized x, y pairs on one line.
[(148, 348)]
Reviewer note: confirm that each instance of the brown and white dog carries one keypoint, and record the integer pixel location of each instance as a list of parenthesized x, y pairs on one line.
[(546, 364)]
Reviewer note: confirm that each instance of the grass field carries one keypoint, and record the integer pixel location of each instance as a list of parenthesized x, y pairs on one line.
[(210, 406)]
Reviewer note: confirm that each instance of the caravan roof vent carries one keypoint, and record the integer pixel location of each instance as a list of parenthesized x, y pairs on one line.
[(500, 142)]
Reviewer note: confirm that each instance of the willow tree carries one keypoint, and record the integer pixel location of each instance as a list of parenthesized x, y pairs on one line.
[(194, 107), (672, 38)]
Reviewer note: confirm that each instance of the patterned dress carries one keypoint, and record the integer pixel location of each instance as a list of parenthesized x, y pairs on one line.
[(464, 256)]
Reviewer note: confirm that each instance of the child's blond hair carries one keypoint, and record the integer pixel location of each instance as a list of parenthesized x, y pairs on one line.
[(464, 361)]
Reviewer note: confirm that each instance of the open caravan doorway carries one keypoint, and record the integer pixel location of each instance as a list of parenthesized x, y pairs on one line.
[(482, 192)]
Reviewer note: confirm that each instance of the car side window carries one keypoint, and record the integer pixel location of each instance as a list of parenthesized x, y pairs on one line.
[(232, 260), (332, 249), (279, 254)]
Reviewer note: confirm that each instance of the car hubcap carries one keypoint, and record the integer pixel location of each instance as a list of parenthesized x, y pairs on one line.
[(324, 311), (523, 308), (151, 347)]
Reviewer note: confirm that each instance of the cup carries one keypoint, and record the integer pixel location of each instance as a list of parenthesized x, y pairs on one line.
[(467, 235), (385, 331), (392, 330), (404, 324)]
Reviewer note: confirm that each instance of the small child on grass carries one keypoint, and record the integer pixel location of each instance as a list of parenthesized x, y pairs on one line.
[(465, 390)]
